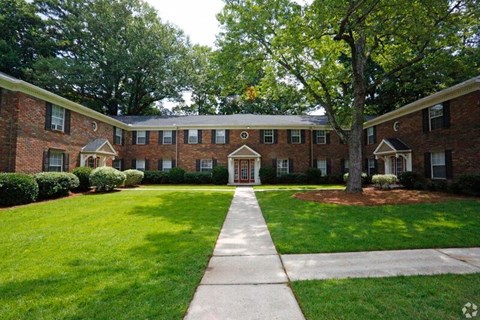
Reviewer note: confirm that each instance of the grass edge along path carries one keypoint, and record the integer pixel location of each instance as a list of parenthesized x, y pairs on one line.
[(123, 255)]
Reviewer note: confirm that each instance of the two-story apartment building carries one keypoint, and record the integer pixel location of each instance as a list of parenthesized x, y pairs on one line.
[(41, 131)]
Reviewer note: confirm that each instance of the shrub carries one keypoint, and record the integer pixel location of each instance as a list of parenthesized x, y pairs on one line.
[(384, 181), (156, 177), (55, 184), (133, 177), (438, 185), (220, 175), (17, 188), (106, 178), (176, 175), (83, 175), (198, 178), (409, 179), (469, 184), (313, 176), (292, 178), (267, 175)]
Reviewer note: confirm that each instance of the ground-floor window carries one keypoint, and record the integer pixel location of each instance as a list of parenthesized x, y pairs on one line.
[(439, 168), (55, 161), (93, 162), (397, 165), (117, 164), (166, 165), (206, 165), (140, 164), (322, 166), (282, 167), (372, 167)]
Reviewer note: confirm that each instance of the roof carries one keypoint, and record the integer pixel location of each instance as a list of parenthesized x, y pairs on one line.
[(100, 146), (390, 146), (234, 120), (397, 144)]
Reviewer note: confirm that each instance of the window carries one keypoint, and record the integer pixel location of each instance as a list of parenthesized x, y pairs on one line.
[(282, 167), (268, 136), (117, 164), (166, 165), (435, 116), (118, 136), (193, 136), (141, 137), (58, 118), (140, 164), (371, 167), (220, 136), (55, 161), (371, 135), (321, 137), (167, 137), (322, 166), (206, 165), (346, 165), (439, 168), (295, 136)]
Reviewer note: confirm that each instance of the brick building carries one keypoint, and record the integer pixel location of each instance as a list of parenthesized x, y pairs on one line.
[(41, 131)]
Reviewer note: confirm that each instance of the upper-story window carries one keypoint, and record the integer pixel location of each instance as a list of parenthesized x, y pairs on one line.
[(371, 135), (268, 136), (141, 137), (220, 136), (58, 118), (435, 116), (295, 136), (321, 137), (192, 136), (118, 136), (167, 137)]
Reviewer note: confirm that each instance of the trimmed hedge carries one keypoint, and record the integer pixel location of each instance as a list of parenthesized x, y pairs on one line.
[(384, 181), (410, 180), (268, 175), (156, 177), (220, 175), (176, 175), (313, 175), (469, 184), (107, 178), (83, 175), (17, 188), (55, 184), (133, 177), (197, 178)]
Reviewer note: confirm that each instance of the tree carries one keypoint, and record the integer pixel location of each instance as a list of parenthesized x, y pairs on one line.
[(114, 56), (342, 51)]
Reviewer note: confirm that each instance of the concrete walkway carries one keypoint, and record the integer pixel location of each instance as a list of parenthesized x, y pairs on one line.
[(245, 278)]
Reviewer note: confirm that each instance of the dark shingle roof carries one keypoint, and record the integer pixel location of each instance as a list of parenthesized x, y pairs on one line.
[(397, 144), (94, 145)]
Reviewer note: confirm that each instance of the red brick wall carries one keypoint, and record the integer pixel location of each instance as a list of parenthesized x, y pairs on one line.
[(8, 129), (463, 136)]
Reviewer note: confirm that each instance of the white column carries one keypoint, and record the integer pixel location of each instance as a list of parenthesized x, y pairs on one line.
[(231, 171), (257, 170)]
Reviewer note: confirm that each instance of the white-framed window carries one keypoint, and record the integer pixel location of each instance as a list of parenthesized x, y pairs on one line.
[(322, 166), (167, 137), (268, 136), (140, 164), (435, 116), (206, 165), (282, 167), (58, 118), (321, 137), (371, 167), (117, 164), (370, 135), (439, 168), (166, 165), (295, 136), (192, 136), (141, 137), (118, 136), (220, 136), (347, 165), (55, 161)]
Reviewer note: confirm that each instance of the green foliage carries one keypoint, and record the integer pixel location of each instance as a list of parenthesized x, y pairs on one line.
[(313, 175), (17, 188), (156, 177), (106, 178), (55, 184), (469, 184), (292, 178), (384, 181), (133, 177), (197, 178), (220, 175), (410, 179), (176, 175), (83, 175), (268, 175), (365, 178)]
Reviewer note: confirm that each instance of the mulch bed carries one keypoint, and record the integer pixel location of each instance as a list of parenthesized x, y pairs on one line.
[(376, 197)]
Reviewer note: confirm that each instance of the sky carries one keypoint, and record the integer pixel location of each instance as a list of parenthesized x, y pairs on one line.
[(197, 18)]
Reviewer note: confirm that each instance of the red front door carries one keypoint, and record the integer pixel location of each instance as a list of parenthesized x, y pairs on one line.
[(245, 171)]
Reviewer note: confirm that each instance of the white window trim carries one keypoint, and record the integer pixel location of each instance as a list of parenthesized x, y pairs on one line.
[(140, 161), (56, 126), (270, 134), (191, 136), (119, 161), (281, 170), (437, 165), (119, 136), (298, 135), (206, 168), (169, 135), (321, 134), (55, 153), (220, 136), (169, 167), (430, 118), (371, 168), (323, 169), (370, 134), (144, 133)]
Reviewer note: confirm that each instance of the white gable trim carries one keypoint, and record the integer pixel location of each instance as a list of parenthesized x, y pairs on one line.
[(254, 154)]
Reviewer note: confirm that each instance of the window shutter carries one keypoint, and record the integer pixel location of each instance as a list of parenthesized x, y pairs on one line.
[(227, 136), (342, 166), (314, 136), (449, 164), (114, 135), (274, 163), (214, 163), (134, 137), (185, 136), (46, 160), (147, 164), (365, 166), (275, 136), (160, 165), (262, 134), (214, 133), (160, 137), (327, 137), (427, 164), (48, 117), (289, 136), (302, 136), (67, 121), (174, 137), (426, 124), (174, 163), (315, 164), (147, 137), (66, 163), (446, 114), (197, 165), (134, 164), (329, 166), (365, 137), (123, 137), (374, 134), (122, 164), (375, 161), (290, 165), (199, 136)]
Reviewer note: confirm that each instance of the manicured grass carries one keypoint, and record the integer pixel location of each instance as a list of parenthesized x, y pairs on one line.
[(299, 226), (124, 255), (297, 187), (191, 187), (419, 297)]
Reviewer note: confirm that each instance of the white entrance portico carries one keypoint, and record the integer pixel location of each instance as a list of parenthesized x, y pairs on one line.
[(244, 166), (396, 155)]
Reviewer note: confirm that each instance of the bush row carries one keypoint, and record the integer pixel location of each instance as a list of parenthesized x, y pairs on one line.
[(311, 176), (218, 176), (468, 184)]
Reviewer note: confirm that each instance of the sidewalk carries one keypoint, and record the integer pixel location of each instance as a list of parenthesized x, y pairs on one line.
[(245, 278)]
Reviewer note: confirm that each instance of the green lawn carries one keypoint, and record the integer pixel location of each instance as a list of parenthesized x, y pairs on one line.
[(299, 226), (124, 255), (418, 297), (186, 187), (297, 187)]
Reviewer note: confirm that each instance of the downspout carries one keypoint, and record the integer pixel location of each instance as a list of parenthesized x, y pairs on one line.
[(311, 147), (176, 146)]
